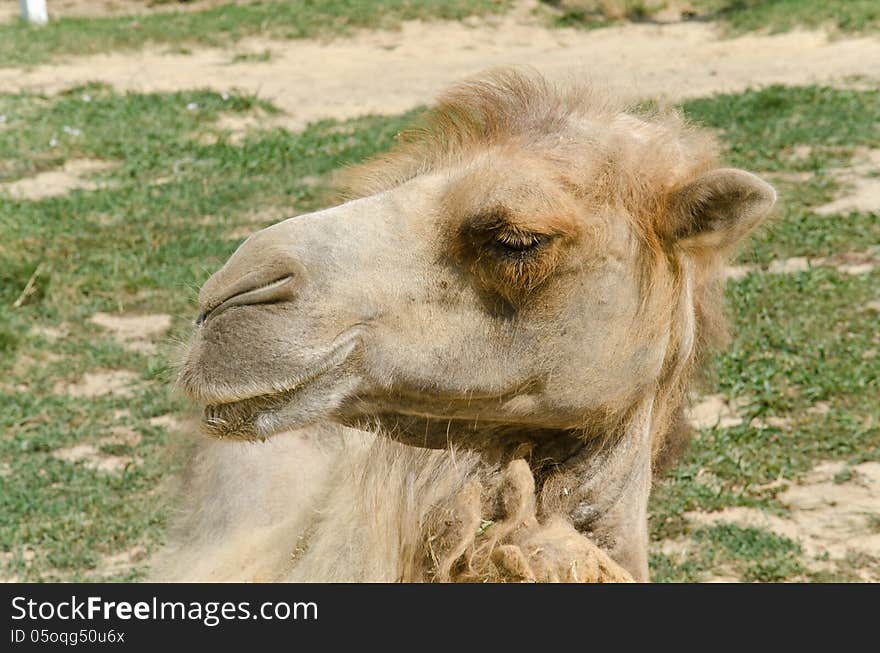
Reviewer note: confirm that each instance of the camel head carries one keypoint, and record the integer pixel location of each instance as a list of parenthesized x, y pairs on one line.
[(529, 260)]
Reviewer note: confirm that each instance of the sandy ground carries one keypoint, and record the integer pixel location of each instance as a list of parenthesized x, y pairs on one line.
[(854, 263), (93, 458), (73, 175), (863, 185), (390, 72), (134, 331), (100, 383)]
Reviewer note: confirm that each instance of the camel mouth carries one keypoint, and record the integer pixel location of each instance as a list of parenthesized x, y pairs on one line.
[(246, 419), (257, 416)]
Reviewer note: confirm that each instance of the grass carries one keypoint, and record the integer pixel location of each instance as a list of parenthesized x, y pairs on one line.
[(181, 188), (798, 339), (224, 25), (21, 44), (751, 554), (735, 16), (783, 15), (143, 245)]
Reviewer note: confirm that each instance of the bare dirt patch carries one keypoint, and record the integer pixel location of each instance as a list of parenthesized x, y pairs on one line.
[(261, 218), (862, 183), (133, 327), (5, 558), (169, 422), (240, 233), (119, 383), (714, 411), (24, 361), (238, 126), (93, 458), (52, 183), (51, 334), (119, 563), (834, 513), (122, 435), (820, 408), (134, 331), (854, 263), (345, 78), (782, 423)]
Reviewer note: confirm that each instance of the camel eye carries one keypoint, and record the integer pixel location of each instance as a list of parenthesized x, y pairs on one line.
[(517, 243)]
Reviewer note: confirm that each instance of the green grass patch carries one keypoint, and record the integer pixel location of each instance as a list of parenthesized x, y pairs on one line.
[(163, 222), (750, 554), (24, 44), (783, 15), (736, 16), (595, 14), (763, 128)]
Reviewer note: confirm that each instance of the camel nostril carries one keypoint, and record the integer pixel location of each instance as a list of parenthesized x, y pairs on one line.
[(241, 294)]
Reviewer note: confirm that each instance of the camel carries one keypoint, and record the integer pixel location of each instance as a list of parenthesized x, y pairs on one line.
[(469, 369)]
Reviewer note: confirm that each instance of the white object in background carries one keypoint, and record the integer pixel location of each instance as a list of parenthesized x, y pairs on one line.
[(34, 11)]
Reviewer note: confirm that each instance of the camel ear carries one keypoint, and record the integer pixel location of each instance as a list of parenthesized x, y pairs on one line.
[(719, 208)]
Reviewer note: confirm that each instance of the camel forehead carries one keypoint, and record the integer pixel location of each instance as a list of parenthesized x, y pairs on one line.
[(524, 187), (533, 190)]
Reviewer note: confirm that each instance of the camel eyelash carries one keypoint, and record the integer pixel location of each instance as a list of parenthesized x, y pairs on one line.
[(515, 252), (518, 243), (495, 231)]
